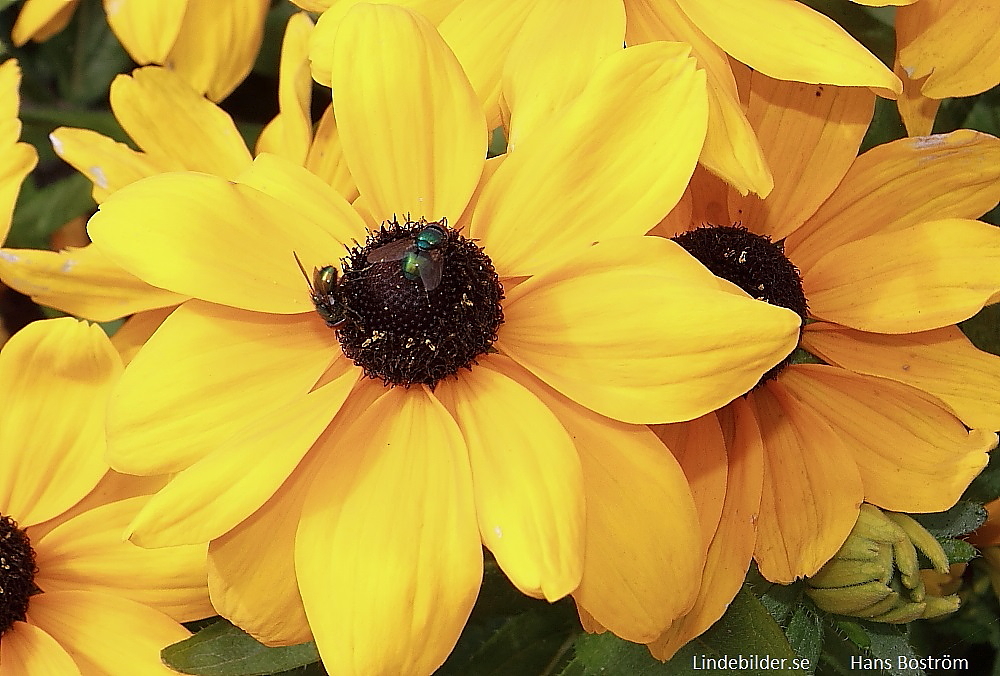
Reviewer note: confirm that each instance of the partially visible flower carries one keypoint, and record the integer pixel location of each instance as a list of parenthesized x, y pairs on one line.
[(70, 588), (944, 49), (16, 159), (212, 44)]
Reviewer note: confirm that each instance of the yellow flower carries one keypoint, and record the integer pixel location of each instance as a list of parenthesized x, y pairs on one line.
[(889, 260), (16, 159), (378, 496), (212, 44), (70, 589), (944, 48)]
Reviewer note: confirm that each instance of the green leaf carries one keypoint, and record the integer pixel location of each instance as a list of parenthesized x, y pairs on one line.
[(222, 649), (965, 517), (40, 212), (805, 633), (958, 551), (877, 649)]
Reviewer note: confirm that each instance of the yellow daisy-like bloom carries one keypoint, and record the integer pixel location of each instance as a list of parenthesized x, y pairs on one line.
[(212, 44), (782, 38), (889, 260), (16, 159), (944, 48), (378, 496), (69, 587)]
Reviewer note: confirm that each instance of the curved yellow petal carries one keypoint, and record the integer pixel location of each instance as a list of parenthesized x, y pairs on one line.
[(941, 362), (81, 282), (108, 164), (90, 625), (290, 132), (900, 184), (526, 478), (27, 649), (423, 159), (16, 159), (787, 40), (603, 164), (39, 20), (56, 377), (812, 489), (641, 342), (86, 553), (939, 273), (916, 110), (147, 30), (326, 157), (208, 372), (388, 524)]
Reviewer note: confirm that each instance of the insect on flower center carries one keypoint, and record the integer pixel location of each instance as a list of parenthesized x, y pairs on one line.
[(414, 304), (17, 573), (752, 262)]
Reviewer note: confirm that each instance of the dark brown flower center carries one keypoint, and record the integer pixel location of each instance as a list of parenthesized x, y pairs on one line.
[(17, 573)]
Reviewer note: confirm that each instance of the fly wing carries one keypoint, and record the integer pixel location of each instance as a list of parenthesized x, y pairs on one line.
[(393, 251), (431, 268)]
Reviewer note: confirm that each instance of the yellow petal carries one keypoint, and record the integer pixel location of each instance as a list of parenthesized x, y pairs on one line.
[(537, 83), (290, 132), (422, 159), (941, 362), (136, 330), (389, 523), (787, 40), (176, 125), (810, 135), (812, 488), (90, 625), (938, 273), (56, 376), (81, 282), (108, 164), (913, 454), (903, 183), (207, 373), (222, 489), (642, 342), (41, 19), (16, 159), (603, 165), (147, 30), (26, 649), (916, 110), (326, 157), (526, 478), (87, 553)]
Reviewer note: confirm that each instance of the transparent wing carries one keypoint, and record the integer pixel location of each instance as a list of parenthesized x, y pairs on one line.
[(430, 269), (393, 251)]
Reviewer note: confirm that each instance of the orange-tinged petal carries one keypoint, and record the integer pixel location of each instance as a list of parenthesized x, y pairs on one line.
[(207, 237), (147, 30), (916, 110), (733, 543), (603, 164), (81, 282), (56, 377), (902, 183), (207, 373), (91, 625), (108, 164), (526, 478), (222, 489), (422, 159), (537, 83), (86, 553), (941, 362), (176, 125), (913, 454), (787, 40), (938, 273), (388, 543), (642, 342), (810, 135), (812, 488), (326, 157), (290, 132), (26, 649), (41, 19)]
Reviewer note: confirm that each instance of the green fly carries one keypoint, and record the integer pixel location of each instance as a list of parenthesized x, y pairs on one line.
[(324, 290), (422, 256)]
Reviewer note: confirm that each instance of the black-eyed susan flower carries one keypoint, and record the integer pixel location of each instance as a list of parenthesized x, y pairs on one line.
[(212, 44), (16, 159), (881, 254), (470, 372), (70, 588)]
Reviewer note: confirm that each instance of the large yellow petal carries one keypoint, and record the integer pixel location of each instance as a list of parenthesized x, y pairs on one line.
[(41, 19), (147, 30), (290, 132), (26, 649), (388, 543), (641, 342), (603, 167), (902, 183), (56, 377), (810, 135), (326, 157), (205, 374), (222, 489), (812, 488), (90, 625), (86, 553), (422, 159), (942, 362), (913, 454), (787, 40), (526, 478), (938, 273), (733, 543), (108, 164), (81, 282)]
